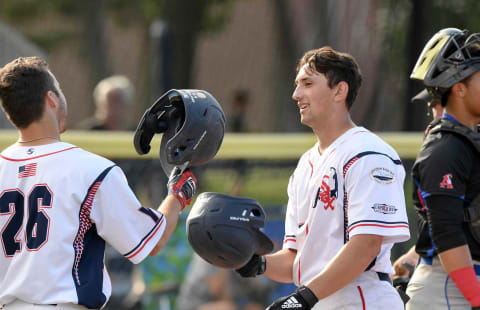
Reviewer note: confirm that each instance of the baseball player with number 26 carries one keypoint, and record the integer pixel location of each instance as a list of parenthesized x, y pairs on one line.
[(59, 204), (346, 204)]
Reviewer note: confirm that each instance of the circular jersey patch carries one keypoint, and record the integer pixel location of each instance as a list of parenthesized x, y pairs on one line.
[(382, 175)]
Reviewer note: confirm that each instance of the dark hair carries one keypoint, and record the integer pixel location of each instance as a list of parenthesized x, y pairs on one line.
[(23, 85), (337, 67)]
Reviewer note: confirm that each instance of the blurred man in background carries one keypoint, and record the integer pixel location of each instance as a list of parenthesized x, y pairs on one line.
[(113, 98)]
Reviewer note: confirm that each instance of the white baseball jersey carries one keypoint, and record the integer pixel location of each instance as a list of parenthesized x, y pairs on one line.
[(59, 204), (354, 187)]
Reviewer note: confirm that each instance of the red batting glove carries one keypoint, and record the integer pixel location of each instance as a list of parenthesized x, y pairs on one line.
[(182, 185)]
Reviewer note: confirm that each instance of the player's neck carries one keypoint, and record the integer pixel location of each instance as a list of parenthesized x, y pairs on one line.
[(462, 114), (327, 134), (38, 133)]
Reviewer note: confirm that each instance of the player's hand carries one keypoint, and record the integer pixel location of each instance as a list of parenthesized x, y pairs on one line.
[(405, 264), (255, 266), (182, 185), (302, 299)]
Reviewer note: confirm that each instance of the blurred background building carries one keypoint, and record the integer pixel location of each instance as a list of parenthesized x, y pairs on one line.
[(226, 45)]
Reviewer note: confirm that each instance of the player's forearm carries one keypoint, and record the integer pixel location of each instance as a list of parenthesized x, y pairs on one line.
[(457, 262), (280, 265), (456, 258), (349, 263), (170, 208)]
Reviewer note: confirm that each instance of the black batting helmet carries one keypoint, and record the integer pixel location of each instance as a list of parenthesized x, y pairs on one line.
[(193, 126), (225, 230), (449, 57)]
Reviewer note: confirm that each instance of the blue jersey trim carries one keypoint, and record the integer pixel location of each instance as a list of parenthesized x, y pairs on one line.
[(360, 155), (430, 251), (150, 213), (89, 247), (446, 293), (424, 194), (159, 219), (448, 116)]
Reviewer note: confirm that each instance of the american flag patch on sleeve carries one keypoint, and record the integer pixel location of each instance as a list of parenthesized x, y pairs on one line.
[(28, 170)]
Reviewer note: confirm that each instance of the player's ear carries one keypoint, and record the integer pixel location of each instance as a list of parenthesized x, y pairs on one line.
[(52, 99), (341, 92), (459, 89)]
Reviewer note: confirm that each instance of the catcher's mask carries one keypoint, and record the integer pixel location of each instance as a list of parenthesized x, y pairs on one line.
[(193, 126), (225, 230), (449, 57)]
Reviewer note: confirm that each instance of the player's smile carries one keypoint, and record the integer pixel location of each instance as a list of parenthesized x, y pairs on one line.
[(302, 106)]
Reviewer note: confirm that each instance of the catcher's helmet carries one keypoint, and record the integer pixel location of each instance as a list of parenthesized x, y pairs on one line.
[(193, 126), (225, 230), (450, 56)]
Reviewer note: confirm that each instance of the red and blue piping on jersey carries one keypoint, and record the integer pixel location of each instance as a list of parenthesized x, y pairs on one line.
[(139, 247), (360, 155), (89, 247), (375, 223), (421, 195), (35, 157), (289, 238), (346, 167), (345, 215)]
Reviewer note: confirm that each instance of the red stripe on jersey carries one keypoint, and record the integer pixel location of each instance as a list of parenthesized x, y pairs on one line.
[(311, 167), (146, 241), (289, 239), (361, 297), (349, 164), (85, 224), (299, 275), (23, 159), (378, 225), (421, 200)]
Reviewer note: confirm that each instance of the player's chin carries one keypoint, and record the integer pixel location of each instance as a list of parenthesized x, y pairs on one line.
[(304, 120)]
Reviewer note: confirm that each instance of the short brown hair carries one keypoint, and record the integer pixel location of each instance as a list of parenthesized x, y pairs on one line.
[(337, 67), (23, 85)]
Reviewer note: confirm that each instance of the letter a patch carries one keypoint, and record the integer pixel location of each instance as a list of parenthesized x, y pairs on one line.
[(447, 182)]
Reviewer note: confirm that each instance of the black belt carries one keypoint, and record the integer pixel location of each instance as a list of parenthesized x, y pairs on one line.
[(384, 277)]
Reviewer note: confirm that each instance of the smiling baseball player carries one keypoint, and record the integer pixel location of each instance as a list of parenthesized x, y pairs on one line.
[(346, 204)]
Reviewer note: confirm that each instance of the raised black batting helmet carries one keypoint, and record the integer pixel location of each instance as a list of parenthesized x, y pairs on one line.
[(193, 126), (449, 57), (225, 230)]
